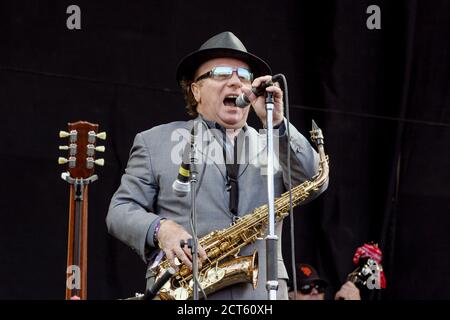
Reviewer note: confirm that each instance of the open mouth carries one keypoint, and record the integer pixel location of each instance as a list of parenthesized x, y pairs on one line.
[(230, 100)]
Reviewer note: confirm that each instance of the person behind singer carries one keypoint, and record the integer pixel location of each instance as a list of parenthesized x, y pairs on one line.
[(145, 212), (310, 286)]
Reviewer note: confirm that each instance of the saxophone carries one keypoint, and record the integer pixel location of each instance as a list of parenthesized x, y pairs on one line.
[(224, 267)]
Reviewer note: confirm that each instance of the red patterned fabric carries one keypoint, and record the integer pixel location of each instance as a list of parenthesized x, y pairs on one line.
[(373, 252), (382, 280), (368, 251)]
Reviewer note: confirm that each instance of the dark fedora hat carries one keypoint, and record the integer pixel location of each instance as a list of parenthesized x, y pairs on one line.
[(222, 45)]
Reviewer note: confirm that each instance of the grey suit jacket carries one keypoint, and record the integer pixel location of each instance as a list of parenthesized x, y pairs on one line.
[(145, 192)]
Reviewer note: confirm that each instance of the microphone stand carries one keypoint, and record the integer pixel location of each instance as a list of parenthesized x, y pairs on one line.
[(271, 238), (194, 243)]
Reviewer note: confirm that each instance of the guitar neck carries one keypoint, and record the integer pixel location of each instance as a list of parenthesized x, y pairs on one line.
[(76, 281)]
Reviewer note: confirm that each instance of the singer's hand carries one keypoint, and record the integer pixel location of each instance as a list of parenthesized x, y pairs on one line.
[(259, 103), (348, 291), (169, 237)]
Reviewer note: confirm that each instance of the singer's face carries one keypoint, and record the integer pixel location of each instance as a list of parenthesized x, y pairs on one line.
[(215, 97)]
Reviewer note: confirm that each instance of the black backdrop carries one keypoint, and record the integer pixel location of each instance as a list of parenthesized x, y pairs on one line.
[(380, 96)]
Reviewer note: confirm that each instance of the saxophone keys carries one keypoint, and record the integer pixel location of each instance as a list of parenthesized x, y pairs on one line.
[(215, 274), (181, 293)]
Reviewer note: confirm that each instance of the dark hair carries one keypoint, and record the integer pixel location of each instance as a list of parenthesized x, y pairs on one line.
[(191, 103)]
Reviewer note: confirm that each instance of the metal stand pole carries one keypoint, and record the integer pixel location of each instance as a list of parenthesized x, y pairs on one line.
[(193, 183), (271, 239)]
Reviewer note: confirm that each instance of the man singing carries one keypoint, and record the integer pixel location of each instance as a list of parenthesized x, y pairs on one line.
[(145, 212)]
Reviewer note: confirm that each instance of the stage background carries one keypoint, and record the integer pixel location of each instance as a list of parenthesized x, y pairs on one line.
[(381, 98)]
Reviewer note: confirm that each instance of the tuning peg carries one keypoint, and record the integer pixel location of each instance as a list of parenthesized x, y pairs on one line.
[(91, 148), (90, 162), (100, 162), (72, 148), (62, 160), (63, 134), (71, 161), (92, 135), (72, 134), (101, 135)]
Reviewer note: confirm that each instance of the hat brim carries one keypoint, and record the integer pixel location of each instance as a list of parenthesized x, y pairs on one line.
[(316, 280), (187, 67)]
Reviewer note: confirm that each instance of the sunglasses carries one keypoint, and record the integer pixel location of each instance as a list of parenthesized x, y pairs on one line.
[(224, 73), (307, 288)]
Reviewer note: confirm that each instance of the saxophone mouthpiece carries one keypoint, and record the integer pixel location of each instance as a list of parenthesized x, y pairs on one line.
[(316, 134)]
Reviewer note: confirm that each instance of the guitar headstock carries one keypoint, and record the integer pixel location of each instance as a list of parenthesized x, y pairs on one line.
[(369, 272), (82, 148)]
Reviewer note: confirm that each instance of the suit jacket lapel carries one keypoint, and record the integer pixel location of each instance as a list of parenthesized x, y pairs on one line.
[(209, 146)]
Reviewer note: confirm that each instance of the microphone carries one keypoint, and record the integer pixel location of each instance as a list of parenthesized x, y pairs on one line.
[(181, 186), (243, 101), (153, 291)]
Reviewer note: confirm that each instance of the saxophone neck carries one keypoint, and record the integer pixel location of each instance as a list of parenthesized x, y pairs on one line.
[(316, 134), (318, 139)]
